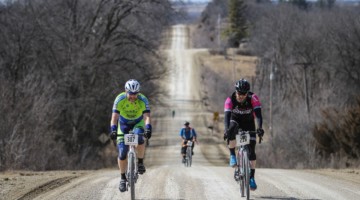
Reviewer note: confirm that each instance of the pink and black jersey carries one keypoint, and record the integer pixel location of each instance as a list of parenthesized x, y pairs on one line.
[(242, 112)]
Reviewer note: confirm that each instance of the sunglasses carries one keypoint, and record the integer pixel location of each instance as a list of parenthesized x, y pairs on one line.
[(133, 93), (241, 93)]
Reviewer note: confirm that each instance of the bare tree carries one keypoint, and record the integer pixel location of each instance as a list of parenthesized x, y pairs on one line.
[(309, 70), (61, 65)]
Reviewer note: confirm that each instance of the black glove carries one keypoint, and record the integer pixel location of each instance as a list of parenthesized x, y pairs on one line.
[(113, 135), (260, 132), (148, 131), (226, 135)]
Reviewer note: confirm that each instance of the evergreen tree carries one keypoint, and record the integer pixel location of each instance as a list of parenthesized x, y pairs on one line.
[(300, 3), (237, 28), (325, 3)]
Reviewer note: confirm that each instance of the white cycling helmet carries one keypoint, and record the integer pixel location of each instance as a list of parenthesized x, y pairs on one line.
[(132, 86)]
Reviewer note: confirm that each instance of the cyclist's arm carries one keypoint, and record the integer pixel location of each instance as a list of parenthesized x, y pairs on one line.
[(227, 112), (257, 109), (227, 116), (194, 134), (258, 117), (147, 118), (116, 111), (146, 109), (114, 121), (181, 134)]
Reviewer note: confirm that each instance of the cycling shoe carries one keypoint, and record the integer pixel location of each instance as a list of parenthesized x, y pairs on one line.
[(122, 186), (141, 168)]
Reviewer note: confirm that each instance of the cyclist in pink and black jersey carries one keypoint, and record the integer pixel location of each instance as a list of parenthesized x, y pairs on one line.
[(241, 110)]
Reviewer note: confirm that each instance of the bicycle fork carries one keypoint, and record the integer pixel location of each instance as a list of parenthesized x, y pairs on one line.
[(132, 168), (239, 170)]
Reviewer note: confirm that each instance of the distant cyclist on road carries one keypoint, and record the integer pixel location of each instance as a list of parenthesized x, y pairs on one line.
[(131, 109), (187, 133), (240, 110)]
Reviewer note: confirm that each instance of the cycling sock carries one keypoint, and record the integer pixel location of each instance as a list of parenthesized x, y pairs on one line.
[(123, 176), (252, 173), (141, 160), (232, 151)]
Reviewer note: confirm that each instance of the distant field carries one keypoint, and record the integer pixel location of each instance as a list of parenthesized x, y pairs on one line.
[(232, 68)]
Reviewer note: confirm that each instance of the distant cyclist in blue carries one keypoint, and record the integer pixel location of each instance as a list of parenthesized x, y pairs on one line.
[(187, 133)]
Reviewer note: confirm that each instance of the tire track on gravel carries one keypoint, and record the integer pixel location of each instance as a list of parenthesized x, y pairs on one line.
[(47, 187)]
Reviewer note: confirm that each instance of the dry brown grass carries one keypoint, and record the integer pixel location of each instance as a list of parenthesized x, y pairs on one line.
[(230, 68)]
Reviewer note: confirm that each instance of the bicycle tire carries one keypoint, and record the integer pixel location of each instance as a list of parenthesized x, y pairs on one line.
[(247, 174), (187, 157), (190, 156), (131, 180), (240, 161)]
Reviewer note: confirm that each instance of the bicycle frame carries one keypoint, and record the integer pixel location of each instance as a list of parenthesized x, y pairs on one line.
[(242, 171), (132, 175)]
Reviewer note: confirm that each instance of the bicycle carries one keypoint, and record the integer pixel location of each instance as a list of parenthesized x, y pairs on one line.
[(132, 173), (188, 155), (242, 170)]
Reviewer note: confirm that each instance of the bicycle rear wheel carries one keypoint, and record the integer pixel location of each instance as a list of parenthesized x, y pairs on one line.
[(131, 177)]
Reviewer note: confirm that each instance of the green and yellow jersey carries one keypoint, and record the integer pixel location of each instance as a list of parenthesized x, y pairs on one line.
[(131, 112)]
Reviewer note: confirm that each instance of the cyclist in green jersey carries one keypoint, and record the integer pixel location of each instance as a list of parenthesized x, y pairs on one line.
[(131, 110)]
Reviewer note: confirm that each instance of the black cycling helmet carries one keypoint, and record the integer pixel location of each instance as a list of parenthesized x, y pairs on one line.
[(186, 123), (242, 86)]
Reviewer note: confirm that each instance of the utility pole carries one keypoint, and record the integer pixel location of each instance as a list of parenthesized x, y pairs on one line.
[(234, 66), (271, 100), (218, 28), (305, 66)]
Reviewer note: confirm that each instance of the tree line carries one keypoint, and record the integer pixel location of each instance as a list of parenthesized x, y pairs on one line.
[(312, 55), (62, 63)]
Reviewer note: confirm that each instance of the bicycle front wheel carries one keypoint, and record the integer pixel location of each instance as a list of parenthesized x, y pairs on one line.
[(188, 154), (241, 172), (246, 168), (131, 163)]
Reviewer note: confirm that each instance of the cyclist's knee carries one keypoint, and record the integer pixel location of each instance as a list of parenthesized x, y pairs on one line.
[(233, 129), (141, 140), (139, 130), (122, 151), (252, 156)]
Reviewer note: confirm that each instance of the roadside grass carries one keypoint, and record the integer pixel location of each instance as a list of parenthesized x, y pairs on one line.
[(231, 67)]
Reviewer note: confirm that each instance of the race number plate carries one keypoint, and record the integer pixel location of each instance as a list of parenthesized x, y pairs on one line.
[(131, 139), (189, 143), (243, 139)]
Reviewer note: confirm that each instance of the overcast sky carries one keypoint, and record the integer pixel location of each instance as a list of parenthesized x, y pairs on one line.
[(272, 0)]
